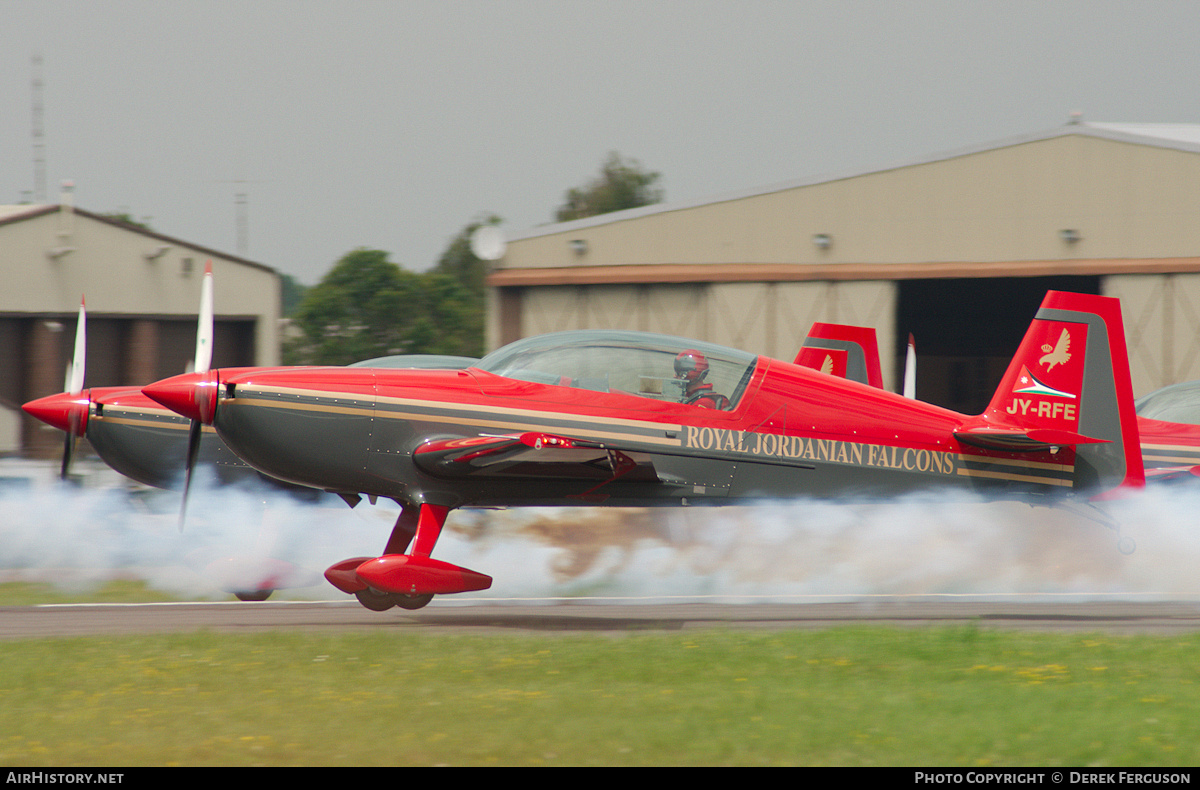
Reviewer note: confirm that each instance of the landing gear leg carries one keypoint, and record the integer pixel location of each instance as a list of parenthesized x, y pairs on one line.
[(420, 528), (403, 531)]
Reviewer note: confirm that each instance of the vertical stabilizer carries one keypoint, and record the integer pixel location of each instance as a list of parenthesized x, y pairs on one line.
[(849, 352), (1069, 385)]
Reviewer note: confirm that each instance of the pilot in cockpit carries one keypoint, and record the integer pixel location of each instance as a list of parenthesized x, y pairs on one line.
[(691, 367)]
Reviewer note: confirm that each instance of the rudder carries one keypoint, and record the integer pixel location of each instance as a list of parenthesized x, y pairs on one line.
[(1069, 385)]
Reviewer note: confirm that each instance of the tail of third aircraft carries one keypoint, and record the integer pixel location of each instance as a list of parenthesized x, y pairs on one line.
[(850, 352), (1069, 386)]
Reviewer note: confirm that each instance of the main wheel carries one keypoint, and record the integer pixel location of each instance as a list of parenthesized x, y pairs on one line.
[(253, 595), (375, 601), (412, 601)]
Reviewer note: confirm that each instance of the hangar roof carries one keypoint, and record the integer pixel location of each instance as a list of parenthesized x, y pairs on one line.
[(1178, 136), (18, 213)]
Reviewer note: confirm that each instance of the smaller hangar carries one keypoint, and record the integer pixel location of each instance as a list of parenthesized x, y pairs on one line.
[(142, 291), (957, 248)]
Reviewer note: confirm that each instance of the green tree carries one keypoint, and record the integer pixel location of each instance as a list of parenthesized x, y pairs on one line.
[(622, 184), (367, 306), (291, 293), (459, 262), (127, 218)]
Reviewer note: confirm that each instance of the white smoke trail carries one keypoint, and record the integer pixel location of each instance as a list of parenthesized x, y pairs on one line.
[(950, 544), (916, 545), (78, 537)]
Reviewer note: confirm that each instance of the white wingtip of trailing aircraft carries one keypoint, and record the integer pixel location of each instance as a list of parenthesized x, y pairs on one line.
[(204, 327), (910, 369)]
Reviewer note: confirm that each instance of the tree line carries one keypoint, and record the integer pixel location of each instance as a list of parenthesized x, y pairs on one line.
[(367, 306)]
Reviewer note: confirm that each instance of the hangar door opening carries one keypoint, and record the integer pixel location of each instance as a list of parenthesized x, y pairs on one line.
[(967, 331)]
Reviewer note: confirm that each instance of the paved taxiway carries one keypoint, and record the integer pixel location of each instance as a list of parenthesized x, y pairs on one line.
[(1110, 616)]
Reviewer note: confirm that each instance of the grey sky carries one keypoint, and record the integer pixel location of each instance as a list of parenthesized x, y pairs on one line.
[(392, 124)]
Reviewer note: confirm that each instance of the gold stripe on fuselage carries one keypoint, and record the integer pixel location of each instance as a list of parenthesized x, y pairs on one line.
[(533, 420), (481, 416), (481, 408), (1022, 470), (1166, 453), (1050, 481), (143, 423)]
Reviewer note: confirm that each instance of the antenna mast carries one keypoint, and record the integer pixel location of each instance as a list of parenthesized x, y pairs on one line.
[(39, 134), (243, 223)]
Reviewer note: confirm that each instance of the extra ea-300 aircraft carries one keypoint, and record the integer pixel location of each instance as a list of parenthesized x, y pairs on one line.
[(631, 419)]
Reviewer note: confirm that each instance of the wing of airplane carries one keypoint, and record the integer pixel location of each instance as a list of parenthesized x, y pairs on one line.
[(529, 454), (535, 455)]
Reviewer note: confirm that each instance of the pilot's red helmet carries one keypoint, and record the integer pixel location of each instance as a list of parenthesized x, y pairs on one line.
[(690, 365)]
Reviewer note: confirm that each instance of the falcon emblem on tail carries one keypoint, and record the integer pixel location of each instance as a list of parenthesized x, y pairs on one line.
[(1060, 354)]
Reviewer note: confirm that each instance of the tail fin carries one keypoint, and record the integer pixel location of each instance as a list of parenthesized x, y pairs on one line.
[(1069, 385), (849, 352)]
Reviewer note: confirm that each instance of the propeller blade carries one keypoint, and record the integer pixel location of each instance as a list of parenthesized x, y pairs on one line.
[(193, 450), (203, 360), (68, 453), (78, 365), (204, 328), (74, 385), (910, 369)]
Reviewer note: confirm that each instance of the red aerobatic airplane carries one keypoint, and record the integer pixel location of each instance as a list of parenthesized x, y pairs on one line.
[(145, 441), (624, 418)]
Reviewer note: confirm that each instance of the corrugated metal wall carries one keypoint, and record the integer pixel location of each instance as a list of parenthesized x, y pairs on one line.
[(765, 318)]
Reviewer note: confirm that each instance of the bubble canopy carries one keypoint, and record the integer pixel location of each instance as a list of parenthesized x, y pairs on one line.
[(1176, 403), (634, 363)]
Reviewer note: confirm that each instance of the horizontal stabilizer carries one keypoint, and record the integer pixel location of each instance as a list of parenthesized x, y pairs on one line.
[(1173, 474), (1017, 440)]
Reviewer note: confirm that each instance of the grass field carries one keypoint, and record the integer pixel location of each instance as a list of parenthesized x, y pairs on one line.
[(961, 696), (117, 591)]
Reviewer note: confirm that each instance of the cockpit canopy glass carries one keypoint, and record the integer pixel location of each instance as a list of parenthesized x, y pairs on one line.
[(1176, 403), (417, 362), (634, 363)]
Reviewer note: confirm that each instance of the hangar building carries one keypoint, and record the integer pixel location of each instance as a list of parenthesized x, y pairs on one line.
[(957, 248), (142, 291)]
